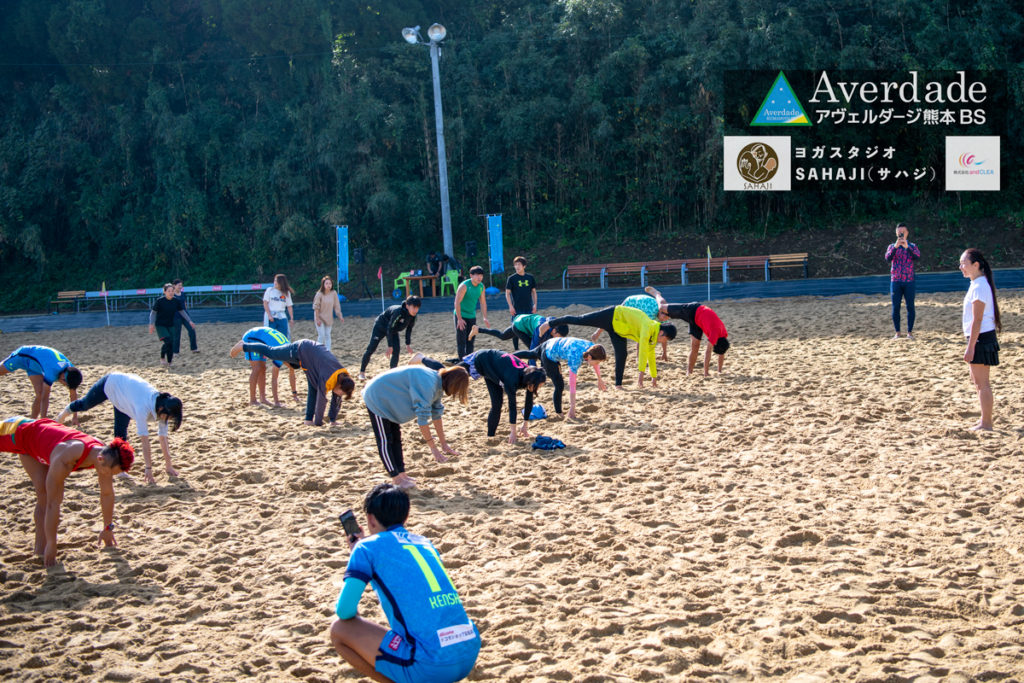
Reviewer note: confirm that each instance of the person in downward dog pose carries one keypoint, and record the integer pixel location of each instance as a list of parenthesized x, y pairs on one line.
[(505, 375), (258, 365), (325, 375), (136, 399), (44, 366), (411, 392), (49, 452), (622, 323), (574, 352), (702, 320)]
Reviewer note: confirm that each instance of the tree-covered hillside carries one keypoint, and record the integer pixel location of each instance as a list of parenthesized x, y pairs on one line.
[(218, 140)]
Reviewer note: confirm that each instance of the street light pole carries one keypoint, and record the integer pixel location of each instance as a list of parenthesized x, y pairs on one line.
[(437, 33)]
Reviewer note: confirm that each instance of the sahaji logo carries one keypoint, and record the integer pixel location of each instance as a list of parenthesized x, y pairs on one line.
[(757, 163), (781, 106), (968, 160)]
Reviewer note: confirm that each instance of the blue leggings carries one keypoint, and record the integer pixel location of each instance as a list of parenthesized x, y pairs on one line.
[(903, 290), (96, 395)]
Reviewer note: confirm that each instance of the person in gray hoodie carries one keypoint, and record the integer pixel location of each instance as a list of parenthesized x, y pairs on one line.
[(325, 375), (402, 395)]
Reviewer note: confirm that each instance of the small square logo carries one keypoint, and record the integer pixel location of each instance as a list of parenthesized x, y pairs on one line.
[(757, 164), (396, 642), (972, 163)]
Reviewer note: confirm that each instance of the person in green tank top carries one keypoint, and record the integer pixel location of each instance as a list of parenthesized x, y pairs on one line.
[(467, 296)]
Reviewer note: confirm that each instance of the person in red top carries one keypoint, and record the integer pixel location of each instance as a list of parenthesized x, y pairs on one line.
[(702, 320), (49, 452)]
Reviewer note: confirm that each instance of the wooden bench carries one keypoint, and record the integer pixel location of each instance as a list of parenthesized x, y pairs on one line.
[(784, 261), (684, 267), (74, 296)]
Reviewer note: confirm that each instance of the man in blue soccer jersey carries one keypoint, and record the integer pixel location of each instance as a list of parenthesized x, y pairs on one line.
[(431, 638), (44, 366)]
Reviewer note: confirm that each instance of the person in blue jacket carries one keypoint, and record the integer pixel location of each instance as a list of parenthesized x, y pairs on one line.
[(44, 366), (430, 638)]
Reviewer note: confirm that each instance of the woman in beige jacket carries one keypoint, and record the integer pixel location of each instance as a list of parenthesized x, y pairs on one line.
[(325, 305)]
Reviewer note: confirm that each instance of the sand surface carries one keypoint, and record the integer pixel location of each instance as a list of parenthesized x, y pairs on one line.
[(820, 512)]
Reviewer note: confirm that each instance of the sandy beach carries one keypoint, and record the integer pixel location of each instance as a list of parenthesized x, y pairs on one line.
[(820, 512)]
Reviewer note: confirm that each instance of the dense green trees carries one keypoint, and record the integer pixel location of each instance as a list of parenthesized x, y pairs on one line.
[(220, 139)]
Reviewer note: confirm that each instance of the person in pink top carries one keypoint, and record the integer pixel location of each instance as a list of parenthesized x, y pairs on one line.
[(901, 254)]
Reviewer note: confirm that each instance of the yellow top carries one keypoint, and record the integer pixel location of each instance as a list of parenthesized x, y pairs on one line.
[(634, 324)]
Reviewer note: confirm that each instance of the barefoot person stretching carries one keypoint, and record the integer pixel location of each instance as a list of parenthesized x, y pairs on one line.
[(412, 392), (44, 366), (49, 453), (136, 399), (980, 322)]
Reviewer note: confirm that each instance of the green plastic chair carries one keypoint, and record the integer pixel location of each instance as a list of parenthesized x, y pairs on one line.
[(400, 281), (450, 279)]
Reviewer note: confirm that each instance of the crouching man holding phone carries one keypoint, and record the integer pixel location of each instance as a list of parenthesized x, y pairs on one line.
[(431, 639)]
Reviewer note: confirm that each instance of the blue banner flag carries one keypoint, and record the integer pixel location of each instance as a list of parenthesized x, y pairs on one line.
[(342, 252), (494, 243)]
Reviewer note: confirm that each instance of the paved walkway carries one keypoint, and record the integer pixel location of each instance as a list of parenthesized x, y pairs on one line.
[(1010, 278)]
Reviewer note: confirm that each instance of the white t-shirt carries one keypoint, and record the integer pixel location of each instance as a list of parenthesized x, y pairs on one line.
[(979, 291), (277, 304), (136, 398)]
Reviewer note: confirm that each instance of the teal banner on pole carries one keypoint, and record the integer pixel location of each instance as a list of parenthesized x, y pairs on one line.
[(342, 252), (494, 243)]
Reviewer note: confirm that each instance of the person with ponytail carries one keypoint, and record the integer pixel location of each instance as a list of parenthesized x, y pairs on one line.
[(980, 322), (136, 399), (49, 453), (277, 305)]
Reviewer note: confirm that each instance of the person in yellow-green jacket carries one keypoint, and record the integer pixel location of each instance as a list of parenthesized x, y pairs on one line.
[(622, 323)]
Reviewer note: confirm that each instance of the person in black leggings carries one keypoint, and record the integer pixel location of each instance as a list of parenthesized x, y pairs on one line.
[(500, 370)]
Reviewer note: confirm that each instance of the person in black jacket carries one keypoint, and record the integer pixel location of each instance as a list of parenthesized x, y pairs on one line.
[(501, 371), (387, 326)]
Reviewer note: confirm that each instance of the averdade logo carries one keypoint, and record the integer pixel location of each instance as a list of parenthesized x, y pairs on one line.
[(972, 163), (757, 163), (781, 106)]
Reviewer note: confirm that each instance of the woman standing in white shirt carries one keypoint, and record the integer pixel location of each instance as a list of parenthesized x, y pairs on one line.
[(980, 322), (277, 305), (325, 306)]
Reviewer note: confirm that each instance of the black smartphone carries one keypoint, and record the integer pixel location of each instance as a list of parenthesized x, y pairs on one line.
[(351, 526)]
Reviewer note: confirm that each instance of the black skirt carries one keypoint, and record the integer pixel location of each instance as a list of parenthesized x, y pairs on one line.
[(986, 349)]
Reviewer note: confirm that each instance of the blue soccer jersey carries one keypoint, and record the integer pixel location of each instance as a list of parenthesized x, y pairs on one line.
[(647, 304), (427, 620), (568, 349), (264, 335), (38, 360)]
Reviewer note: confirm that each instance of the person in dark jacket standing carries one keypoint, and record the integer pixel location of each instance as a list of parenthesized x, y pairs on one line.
[(161, 321), (387, 326), (503, 373), (325, 375), (179, 322)]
